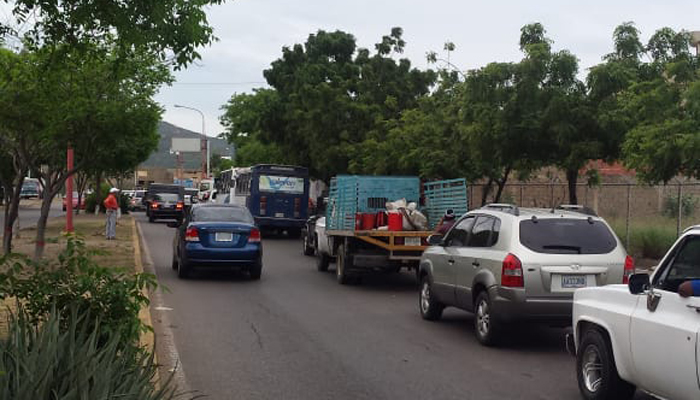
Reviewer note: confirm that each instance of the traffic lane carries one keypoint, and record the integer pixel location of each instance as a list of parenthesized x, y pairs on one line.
[(298, 334), (28, 216)]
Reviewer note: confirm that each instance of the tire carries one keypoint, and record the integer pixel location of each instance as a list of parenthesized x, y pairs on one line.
[(342, 265), (151, 219), (322, 261), (604, 382), (256, 271), (430, 309), (174, 262), (485, 326), (183, 269), (307, 247)]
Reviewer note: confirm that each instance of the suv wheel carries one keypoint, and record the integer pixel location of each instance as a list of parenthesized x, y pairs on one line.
[(485, 326), (430, 309), (596, 371)]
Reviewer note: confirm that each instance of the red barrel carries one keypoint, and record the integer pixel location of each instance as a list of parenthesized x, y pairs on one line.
[(369, 221), (395, 221)]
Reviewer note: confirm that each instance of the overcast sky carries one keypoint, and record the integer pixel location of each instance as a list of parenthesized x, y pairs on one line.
[(252, 33)]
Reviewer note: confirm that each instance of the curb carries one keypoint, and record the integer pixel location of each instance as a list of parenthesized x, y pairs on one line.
[(170, 357), (147, 339)]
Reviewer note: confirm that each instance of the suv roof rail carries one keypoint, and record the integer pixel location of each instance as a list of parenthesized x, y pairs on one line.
[(690, 228), (504, 207), (576, 208)]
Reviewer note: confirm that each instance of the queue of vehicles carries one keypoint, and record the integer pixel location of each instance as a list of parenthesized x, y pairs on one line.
[(505, 264)]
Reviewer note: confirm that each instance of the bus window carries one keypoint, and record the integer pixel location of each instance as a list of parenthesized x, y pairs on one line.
[(281, 184)]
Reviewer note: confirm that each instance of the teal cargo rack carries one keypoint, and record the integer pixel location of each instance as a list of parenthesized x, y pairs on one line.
[(352, 194), (441, 196)]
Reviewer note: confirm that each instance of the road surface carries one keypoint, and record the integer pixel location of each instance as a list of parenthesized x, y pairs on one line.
[(297, 334), (29, 211)]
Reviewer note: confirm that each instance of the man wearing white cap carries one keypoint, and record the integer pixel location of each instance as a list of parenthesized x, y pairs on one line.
[(111, 204)]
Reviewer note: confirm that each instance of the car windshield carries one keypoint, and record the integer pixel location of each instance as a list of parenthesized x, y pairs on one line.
[(222, 214), (567, 236), (169, 197)]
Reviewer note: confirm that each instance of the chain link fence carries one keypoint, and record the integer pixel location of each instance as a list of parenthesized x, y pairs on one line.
[(647, 219)]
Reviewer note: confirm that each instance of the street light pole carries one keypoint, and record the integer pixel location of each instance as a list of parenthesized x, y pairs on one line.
[(204, 142)]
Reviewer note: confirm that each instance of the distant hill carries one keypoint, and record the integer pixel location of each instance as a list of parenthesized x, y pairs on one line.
[(192, 161)]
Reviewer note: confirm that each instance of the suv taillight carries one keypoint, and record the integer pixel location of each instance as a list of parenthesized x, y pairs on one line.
[(254, 236), (512, 273), (179, 205), (154, 205), (263, 205), (629, 270), (192, 235)]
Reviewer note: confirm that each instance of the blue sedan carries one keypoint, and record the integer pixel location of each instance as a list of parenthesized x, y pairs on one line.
[(217, 235)]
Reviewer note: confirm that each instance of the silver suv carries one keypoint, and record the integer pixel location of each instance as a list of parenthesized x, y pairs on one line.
[(508, 264)]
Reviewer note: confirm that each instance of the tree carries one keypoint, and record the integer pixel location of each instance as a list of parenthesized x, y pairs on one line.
[(172, 29)]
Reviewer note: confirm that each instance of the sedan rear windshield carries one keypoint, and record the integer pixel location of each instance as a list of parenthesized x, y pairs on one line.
[(567, 236), (222, 214)]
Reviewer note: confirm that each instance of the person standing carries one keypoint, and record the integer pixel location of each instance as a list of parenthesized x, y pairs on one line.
[(112, 205), (446, 223)]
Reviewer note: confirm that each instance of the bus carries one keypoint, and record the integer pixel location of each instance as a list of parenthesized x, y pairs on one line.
[(276, 195)]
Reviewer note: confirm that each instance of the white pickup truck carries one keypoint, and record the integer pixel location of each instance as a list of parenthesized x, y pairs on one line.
[(643, 335)]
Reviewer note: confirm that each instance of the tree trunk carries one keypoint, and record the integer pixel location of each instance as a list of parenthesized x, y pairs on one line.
[(486, 192), (12, 212), (572, 180), (502, 184), (98, 191), (41, 224)]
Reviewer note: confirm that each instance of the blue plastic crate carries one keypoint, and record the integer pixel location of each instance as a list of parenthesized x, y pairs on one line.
[(353, 194), (441, 196)]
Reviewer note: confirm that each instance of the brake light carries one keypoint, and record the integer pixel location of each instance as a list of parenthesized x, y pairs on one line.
[(192, 235), (297, 207), (154, 205), (179, 205), (629, 270), (512, 273), (254, 236), (263, 205)]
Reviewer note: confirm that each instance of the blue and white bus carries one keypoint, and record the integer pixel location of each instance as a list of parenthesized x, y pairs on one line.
[(276, 195)]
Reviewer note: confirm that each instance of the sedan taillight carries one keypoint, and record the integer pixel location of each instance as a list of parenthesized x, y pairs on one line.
[(192, 235), (254, 236)]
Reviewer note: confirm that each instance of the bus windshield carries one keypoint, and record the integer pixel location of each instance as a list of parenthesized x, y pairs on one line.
[(281, 184)]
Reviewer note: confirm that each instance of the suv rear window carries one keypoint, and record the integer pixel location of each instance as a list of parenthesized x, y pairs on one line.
[(567, 236)]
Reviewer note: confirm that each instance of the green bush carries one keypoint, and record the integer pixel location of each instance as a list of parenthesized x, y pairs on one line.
[(74, 280), (648, 241), (71, 357), (688, 204)]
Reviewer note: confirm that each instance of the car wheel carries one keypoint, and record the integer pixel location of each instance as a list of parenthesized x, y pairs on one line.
[(430, 308), (174, 263), (183, 269), (307, 245), (256, 271), (485, 326), (596, 371), (151, 219), (343, 263)]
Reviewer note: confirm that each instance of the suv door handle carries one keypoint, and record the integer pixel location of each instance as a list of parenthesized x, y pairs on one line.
[(475, 264), (451, 261), (696, 308)]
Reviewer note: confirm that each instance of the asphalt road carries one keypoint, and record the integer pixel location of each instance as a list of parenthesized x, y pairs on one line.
[(297, 334)]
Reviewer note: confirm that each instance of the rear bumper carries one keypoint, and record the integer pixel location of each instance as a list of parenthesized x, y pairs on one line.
[(513, 305), (244, 256), (271, 222), (166, 214)]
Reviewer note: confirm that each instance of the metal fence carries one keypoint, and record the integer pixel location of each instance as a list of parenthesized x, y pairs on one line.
[(646, 218)]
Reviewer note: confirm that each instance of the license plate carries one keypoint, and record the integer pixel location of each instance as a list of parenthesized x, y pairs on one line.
[(279, 215), (573, 281), (223, 236), (413, 241)]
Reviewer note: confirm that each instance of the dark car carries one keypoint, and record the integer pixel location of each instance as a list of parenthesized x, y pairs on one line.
[(217, 236), (164, 201)]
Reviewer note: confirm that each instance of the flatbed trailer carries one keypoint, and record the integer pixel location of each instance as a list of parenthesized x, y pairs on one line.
[(359, 251)]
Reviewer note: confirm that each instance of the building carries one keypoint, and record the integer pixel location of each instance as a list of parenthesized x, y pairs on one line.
[(164, 166)]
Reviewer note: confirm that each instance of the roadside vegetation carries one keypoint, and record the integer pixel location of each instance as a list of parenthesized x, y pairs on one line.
[(341, 109)]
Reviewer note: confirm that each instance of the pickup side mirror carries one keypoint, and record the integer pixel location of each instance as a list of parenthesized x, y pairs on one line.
[(175, 224), (435, 239), (638, 283)]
